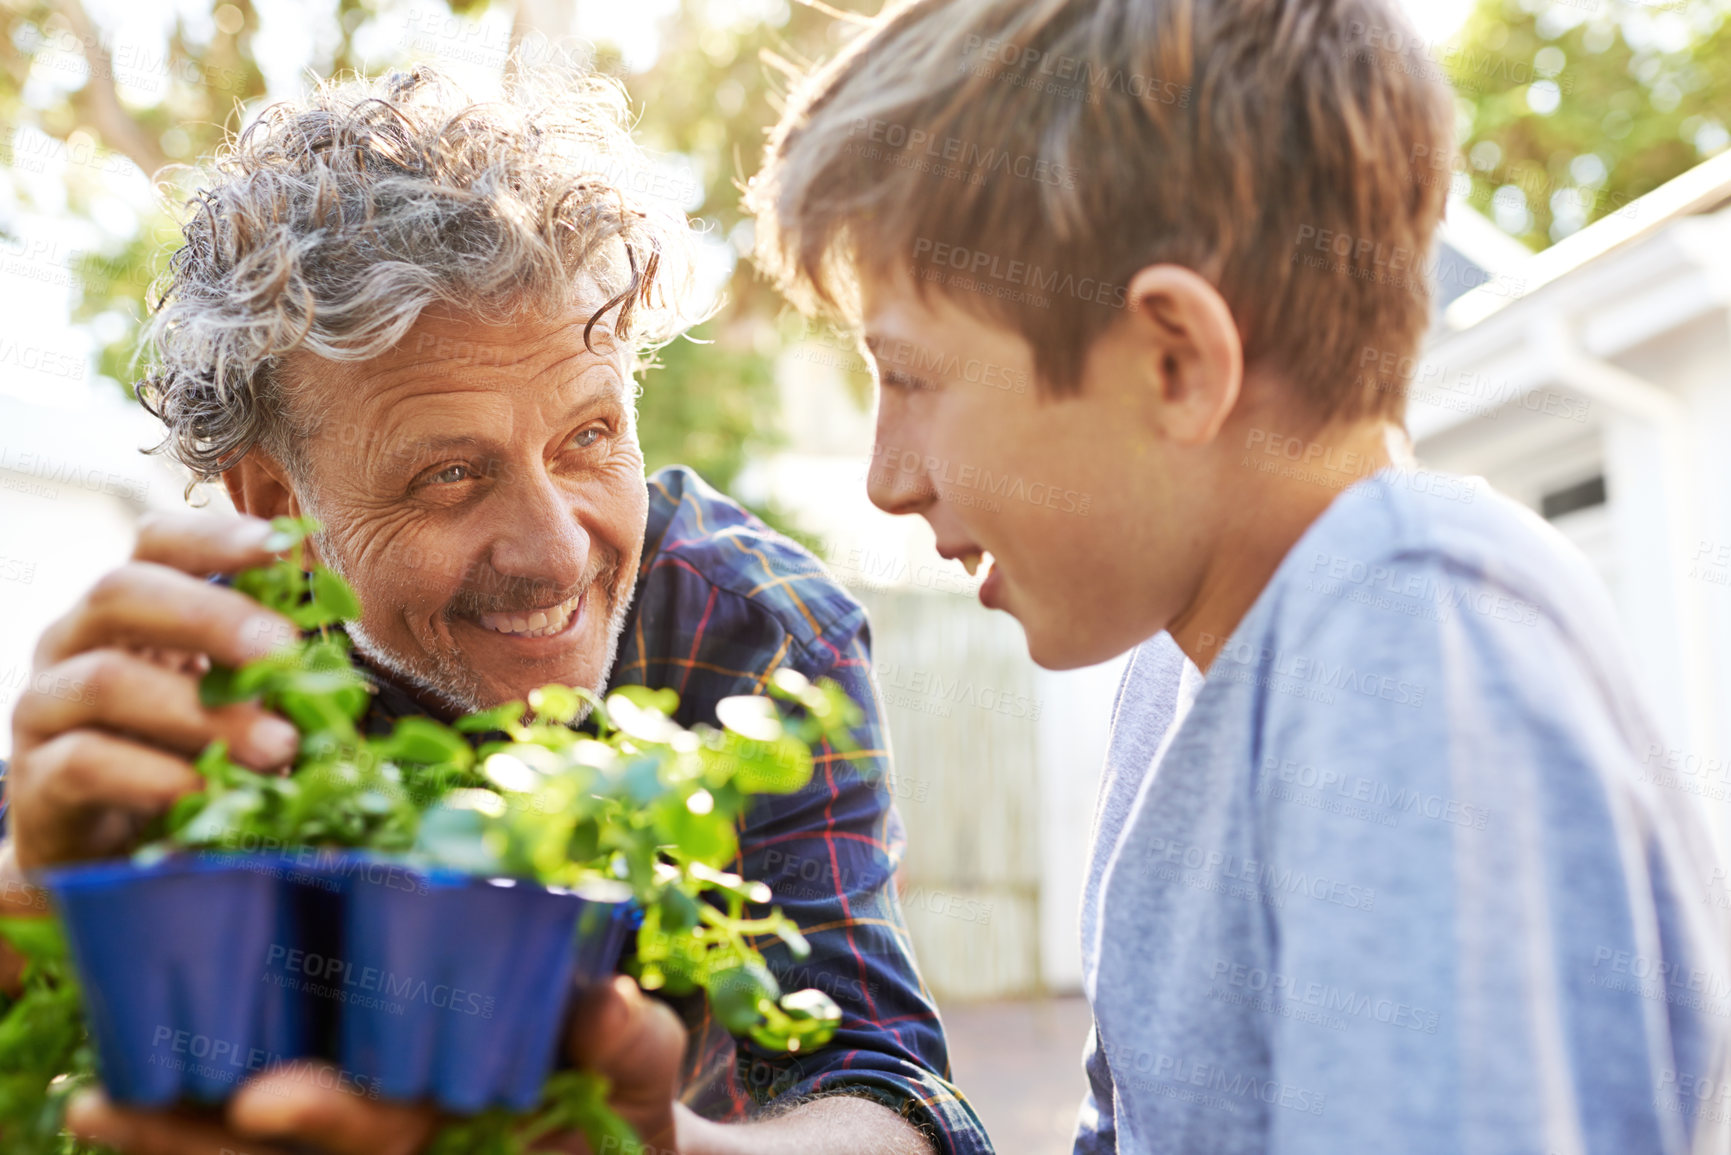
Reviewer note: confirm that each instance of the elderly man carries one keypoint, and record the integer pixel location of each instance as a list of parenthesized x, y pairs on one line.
[(417, 319)]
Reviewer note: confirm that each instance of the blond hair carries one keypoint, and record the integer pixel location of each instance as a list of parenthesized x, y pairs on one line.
[(1027, 157)]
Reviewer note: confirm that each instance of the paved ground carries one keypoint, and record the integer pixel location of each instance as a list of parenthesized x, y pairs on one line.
[(1020, 1064)]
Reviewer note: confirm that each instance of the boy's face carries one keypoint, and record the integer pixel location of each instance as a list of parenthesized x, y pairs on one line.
[(1094, 521)]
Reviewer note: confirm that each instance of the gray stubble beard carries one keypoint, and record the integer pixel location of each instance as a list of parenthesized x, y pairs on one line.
[(441, 677)]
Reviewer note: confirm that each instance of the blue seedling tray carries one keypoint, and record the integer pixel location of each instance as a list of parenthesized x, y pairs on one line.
[(468, 984), (173, 959), (420, 985)]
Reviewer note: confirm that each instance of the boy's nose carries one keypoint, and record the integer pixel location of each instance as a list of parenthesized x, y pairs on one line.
[(896, 482)]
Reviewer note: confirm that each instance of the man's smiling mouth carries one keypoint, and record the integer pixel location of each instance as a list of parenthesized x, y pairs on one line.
[(542, 623)]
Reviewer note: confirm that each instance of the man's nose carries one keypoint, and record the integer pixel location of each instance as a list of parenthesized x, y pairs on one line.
[(538, 535)]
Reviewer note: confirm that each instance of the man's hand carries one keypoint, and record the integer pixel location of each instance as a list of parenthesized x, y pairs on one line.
[(616, 1031), (103, 738)]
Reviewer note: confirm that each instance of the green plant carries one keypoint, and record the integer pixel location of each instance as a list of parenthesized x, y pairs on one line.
[(642, 808), (44, 1054)]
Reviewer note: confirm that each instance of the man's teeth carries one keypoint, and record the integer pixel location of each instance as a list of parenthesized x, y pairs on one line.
[(536, 624)]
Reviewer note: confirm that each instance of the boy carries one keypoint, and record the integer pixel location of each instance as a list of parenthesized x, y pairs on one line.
[(1373, 869)]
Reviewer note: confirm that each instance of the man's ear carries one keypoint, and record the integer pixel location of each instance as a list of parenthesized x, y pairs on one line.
[(1187, 343), (259, 485)]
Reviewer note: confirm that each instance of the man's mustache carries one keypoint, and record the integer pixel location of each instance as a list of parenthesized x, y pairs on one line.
[(501, 594)]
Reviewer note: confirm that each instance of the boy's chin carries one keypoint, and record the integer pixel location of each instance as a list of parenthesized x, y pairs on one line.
[(1060, 646)]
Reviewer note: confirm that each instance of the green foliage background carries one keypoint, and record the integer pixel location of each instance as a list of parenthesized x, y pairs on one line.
[(1641, 90), (709, 403), (1568, 111)]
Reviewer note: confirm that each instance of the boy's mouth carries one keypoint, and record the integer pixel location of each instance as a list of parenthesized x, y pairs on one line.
[(973, 560)]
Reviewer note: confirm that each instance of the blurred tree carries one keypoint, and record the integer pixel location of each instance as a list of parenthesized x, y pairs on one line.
[(1569, 111), (704, 104), (709, 100), (104, 98)]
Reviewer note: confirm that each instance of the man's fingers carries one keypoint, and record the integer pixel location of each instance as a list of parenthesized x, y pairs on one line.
[(87, 793), (304, 1102), (89, 768), (116, 691), (203, 543), (143, 604), (285, 1108), (93, 1118), (635, 1041)]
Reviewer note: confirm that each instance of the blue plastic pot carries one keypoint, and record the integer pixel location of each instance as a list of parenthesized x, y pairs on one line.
[(459, 985), (200, 971), (175, 962)]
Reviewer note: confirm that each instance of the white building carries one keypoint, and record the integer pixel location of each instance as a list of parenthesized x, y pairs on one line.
[(1593, 382)]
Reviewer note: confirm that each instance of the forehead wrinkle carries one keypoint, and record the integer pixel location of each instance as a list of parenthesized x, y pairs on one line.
[(402, 442), (395, 384), (400, 377), (403, 414)]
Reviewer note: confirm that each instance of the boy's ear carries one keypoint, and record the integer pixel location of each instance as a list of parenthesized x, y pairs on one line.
[(1188, 346)]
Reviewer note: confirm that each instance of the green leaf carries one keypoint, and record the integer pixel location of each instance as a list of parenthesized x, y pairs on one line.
[(555, 703), (457, 837), (184, 810), (290, 532), (704, 838), (501, 717), (737, 992), (663, 701), (37, 939), (778, 767), (213, 763), (217, 688), (752, 891), (416, 739), (791, 683), (226, 813), (678, 911), (641, 779), (584, 845), (643, 723), (334, 595)]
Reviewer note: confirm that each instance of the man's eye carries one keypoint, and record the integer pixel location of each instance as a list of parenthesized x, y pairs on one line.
[(584, 438), (451, 474)]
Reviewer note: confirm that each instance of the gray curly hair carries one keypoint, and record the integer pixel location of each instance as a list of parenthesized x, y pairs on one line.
[(330, 226)]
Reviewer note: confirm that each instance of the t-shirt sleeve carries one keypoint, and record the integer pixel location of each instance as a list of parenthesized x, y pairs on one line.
[(1096, 1127), (1490, 934)]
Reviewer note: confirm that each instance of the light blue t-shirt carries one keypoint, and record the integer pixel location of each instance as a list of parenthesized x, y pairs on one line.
[(1399, 876)]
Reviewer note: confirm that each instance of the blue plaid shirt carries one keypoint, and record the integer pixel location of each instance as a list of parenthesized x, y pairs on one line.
[(721, 603)]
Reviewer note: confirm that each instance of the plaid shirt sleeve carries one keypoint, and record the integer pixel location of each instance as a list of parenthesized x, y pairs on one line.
[(721, 603)]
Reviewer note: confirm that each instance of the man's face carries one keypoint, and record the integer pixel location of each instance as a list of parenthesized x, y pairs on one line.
[(1090, 521), (482, 489)]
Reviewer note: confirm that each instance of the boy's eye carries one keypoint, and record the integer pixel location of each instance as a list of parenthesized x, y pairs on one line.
[(896, 379)]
